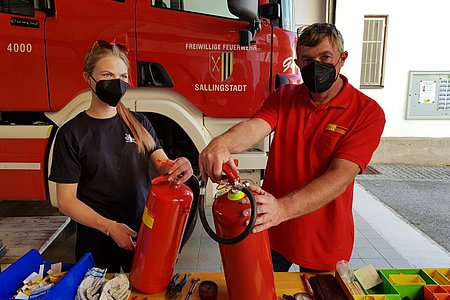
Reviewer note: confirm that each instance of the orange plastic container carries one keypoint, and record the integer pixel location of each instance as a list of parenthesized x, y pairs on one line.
[(432, 292)]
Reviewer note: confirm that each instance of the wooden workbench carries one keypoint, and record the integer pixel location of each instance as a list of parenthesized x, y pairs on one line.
[(285, 283), (21, 234)]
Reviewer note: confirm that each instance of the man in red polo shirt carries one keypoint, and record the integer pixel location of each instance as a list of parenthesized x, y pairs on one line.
[(325, 134)]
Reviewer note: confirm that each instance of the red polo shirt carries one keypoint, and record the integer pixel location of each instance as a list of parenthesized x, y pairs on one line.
[(307, 138)]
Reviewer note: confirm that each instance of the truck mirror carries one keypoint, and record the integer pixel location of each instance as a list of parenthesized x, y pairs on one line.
[(271, 11), (47, 6), (246, 10), (245, 37)]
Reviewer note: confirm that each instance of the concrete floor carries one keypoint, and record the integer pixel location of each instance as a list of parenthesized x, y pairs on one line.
[(419, 194), (201, 253), (62, 248)]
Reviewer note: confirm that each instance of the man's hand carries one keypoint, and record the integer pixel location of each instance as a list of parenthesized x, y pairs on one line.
[(270, 211), (212, 158), (235, 140)]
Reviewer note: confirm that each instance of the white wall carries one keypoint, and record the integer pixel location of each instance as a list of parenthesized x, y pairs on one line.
[(418, 40), (415, 42), (308, 12)]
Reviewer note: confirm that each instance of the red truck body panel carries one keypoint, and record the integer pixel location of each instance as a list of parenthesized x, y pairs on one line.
[(73, 31), (26, 183), (190, 46), (42, 57), (23, 75)]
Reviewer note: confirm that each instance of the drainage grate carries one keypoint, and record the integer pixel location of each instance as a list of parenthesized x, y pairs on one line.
[(402, 172)]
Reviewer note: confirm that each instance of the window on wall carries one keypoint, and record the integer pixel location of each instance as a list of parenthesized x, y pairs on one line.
[(209, 7), (374, 44)]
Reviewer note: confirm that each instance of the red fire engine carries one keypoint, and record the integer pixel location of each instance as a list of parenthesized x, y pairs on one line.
[(197, 69)]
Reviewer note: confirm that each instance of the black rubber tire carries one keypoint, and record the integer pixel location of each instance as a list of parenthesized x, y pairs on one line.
[(194, 185)]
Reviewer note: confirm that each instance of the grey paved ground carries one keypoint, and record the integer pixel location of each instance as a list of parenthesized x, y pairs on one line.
[(421, 195)]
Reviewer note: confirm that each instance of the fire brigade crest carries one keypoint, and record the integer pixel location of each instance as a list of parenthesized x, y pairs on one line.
[(220, 65)]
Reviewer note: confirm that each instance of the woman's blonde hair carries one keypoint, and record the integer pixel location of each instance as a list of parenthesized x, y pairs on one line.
[(144, 140)]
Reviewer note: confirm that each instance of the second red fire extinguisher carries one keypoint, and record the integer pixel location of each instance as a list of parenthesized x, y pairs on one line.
[(246, 257), (159, 240)]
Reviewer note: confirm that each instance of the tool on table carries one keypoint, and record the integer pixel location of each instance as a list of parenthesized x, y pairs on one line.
[(207, 290), (194, 283), (174, 288), (298, 296), (326, 287), (303, 296), (307, 285)]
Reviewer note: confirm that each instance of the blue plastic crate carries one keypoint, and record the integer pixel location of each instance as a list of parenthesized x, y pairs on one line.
[(11, 278)]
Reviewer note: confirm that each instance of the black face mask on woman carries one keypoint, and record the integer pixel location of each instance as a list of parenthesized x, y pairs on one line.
[(110, 91), (319, 76)]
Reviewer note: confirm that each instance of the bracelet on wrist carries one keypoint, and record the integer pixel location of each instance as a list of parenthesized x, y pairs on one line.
[(109, 227)]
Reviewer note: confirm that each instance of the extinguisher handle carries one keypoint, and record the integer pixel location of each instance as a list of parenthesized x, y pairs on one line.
[(232, 176), (166, 163)]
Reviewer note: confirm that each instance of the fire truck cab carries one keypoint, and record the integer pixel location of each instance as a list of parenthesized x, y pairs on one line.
[(197, 68)]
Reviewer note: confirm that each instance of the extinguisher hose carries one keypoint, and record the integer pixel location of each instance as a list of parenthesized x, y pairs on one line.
[(208, 229)]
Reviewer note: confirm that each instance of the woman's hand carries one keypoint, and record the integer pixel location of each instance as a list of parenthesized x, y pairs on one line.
[(122, 235), (181, 170)]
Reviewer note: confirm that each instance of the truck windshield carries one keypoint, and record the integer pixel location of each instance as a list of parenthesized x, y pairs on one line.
[(18, 7), (211, 7)]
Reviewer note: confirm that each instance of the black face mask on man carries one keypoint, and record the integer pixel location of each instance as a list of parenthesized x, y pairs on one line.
[(319, 76), (110, 91)]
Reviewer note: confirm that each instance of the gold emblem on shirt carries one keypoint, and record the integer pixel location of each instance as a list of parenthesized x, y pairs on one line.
[(336, 128)]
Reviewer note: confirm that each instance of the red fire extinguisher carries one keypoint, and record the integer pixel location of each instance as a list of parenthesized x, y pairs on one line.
[(159, 239), (246, 257)]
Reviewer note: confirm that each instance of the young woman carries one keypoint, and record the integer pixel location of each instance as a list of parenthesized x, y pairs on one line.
[(101, 163)]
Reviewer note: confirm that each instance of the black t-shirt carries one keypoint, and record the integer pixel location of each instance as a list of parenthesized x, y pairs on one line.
[(101, 156)]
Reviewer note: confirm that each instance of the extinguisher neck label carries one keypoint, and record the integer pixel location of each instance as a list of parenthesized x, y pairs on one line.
[(235, 196), (148, 218)]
